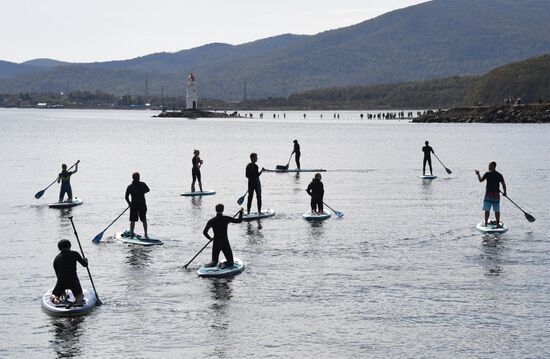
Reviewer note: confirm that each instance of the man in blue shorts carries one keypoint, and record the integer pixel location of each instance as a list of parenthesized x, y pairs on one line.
[(138, 208), (492, 192)]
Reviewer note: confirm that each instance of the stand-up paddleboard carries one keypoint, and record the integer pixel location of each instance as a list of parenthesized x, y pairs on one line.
[(427, 177), (296, 170), (67, 204), (66, 307), (125, 237), (198, 193), (217, 271), (255, 215), (318, 217), (492, 228)]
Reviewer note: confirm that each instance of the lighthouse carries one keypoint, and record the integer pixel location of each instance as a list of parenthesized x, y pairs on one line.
[(191, 98)]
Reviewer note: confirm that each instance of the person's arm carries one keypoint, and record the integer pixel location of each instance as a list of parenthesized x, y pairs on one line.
[(308, 189), (58, 179), (431, 148), (82, 261), (76, 167), (481, 179), (206, 229), (260, 173), (127, 196), (503, 186), (145, 188), (238, 219)]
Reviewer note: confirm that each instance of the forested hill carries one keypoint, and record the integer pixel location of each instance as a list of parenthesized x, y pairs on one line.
[(436, 39)]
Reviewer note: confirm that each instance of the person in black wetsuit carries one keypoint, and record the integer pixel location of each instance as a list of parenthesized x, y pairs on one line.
[(254, 183), (427, 158), (196, 170), (221, 240), (297, 153), (65, 178), (138, 208), (316, 190), (492, 192), (64, 265)]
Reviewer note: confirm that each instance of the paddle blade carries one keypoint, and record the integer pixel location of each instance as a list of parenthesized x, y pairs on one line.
[(97, 238), (241, 200), (39, 194), (338, 214), (98, 302), (279, 167), (529, 217), (448, 170)]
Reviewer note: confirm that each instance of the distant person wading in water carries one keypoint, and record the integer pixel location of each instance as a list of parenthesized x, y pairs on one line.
[(196, 170), (492, 192), (65, 178), (297, 153), (427, 158), (254, 184)]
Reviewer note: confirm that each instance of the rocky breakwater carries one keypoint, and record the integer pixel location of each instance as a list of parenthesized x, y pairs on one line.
[(482, 114), (197, 114)]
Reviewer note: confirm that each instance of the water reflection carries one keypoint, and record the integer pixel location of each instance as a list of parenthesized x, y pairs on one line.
[(316, 229), (254, 233), (66, 337), (138, 257), (491, 254), (196, 203), (221, 292)]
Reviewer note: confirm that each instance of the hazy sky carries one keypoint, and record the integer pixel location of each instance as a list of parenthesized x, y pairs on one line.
[(98, 30)]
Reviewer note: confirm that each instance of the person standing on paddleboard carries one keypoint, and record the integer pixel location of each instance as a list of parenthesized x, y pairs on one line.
[(138, 208), (221, 240), (427, 158), (297, 153), (492, 192), (64, 265), (254, 184), (196, 170), (316, 190), (65, 178)]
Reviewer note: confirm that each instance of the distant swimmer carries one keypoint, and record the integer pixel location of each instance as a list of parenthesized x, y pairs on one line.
[(297, 153), (196, 170), (65, 178), (254, 184), (427, 158), (219, 225), (492, 192), (64, 265), (316, 190), (138, 208)]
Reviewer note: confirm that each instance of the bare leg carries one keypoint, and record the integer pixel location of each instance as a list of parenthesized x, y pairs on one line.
[(79, 299), (497, 217), (145, 228), (132, 226), (486, 218)]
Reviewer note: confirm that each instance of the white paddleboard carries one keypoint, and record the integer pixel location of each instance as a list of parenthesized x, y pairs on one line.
[(65, 308), (137, 239), (296, 170), (255, 215), (428, 177), (310, 216), (217, 271), (67, 204), (491, 228), (198, 193)]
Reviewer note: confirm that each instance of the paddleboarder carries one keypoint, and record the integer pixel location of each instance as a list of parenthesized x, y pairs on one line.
[(219, 225), (316, 190), (196, 170), (297, 153), (428, 150), (138, 208), (492, 192), (254, 184), (64, 265), (65, 179)]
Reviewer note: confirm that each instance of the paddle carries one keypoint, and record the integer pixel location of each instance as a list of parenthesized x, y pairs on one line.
[(284, 168), (241, 199), (41, 193), (100, 235), (527, 215), (337, 213), (202, 249), (98, 301), (446, 169)]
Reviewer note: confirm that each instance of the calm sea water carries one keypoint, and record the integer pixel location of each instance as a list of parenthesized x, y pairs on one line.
[(403, 274)]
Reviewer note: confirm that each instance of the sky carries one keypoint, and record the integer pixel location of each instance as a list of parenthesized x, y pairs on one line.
[(101, 30)]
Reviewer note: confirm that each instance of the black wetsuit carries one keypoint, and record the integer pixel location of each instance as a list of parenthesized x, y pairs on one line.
[(195, 171), (254, 184), (297, 154), (138, 207), (428, 150), (64, 265), (65, 178), (492, 189), (221, 241), (316, 190)]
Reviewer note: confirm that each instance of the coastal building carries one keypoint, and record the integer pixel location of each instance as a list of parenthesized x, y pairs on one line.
[(191, 98)]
